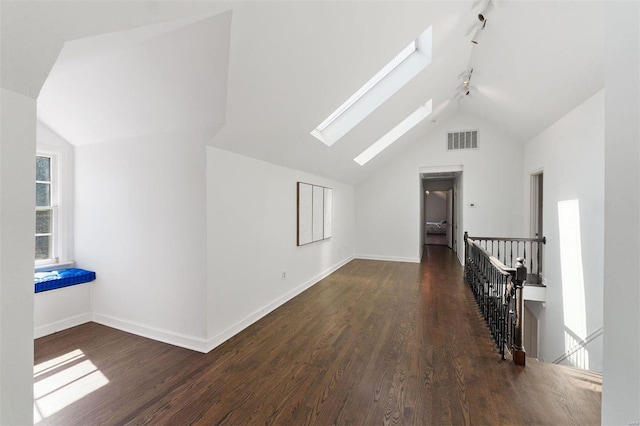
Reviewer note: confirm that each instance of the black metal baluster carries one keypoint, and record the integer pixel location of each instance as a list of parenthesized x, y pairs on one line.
[(490, 282)]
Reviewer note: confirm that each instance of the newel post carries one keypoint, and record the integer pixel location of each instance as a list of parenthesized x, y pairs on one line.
[(519, 354), (466, 247)]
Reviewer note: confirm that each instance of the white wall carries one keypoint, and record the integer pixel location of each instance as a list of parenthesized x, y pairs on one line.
[(251, 214), (621, 380), (62, 308), (571, 155), (140, 212), (17, 199), (388, 202), (141, 225)]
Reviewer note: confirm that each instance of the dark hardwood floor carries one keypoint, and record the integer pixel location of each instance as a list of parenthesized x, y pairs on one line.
[(374, 343), (436, 239)]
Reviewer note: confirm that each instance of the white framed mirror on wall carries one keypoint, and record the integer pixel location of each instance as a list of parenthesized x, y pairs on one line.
[(314, 213)]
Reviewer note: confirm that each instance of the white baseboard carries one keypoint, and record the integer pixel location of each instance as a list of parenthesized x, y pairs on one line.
[(54, 327), (177, 339), (225, 335), (387, 258)]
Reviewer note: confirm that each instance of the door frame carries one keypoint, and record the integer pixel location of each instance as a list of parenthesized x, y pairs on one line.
[(454, 172)]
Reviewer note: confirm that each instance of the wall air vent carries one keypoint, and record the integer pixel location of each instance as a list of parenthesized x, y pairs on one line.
[(462, 140)]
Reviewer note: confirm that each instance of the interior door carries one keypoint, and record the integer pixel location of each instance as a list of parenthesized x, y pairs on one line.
[(450, 218)]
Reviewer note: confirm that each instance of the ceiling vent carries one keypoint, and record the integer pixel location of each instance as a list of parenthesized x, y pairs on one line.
[(462, 140)]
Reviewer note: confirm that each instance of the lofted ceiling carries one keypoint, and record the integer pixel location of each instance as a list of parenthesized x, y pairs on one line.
[(261, 85), (154, 79)]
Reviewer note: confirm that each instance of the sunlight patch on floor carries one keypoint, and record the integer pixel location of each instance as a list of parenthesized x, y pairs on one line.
[(62, 381)]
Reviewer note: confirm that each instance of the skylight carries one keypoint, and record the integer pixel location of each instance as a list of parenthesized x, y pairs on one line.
[(406, 65), (384, 72), (403, 127)]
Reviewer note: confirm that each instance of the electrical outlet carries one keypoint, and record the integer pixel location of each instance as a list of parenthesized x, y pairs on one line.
[(284, 275)]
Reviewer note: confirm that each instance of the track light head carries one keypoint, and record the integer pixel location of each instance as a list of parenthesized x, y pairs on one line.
[(462, 95), (466, 77), (464, 90), (482, 18), (476, 36)]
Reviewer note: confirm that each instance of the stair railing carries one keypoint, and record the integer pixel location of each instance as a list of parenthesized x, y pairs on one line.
[(498, 293), (508, 250)]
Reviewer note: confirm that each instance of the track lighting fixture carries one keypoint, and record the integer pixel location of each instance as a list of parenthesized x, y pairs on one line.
[(466, 77), (482, 19), (465, 90), (476, 36), (465, 87)]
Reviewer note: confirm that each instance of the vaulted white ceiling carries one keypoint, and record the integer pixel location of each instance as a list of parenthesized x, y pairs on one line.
[(290, 64), (155, 79)]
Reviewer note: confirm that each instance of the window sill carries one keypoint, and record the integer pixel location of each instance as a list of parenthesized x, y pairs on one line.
[(54, 266)]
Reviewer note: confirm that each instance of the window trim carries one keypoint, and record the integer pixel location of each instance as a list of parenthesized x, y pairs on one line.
[(53, 234), (55, 248)]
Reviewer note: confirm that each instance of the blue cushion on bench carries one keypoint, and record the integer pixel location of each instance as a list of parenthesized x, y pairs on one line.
[(62, 278)]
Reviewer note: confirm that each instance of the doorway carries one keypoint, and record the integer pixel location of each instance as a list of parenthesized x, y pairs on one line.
[(440, 208), (537, 181), (438, 211), (447, 179), (536, 230)]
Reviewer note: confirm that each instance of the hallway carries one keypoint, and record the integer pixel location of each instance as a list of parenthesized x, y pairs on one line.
[(375, 342)]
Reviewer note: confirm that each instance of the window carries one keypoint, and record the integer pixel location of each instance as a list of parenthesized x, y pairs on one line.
[(392, 77), (403, 127), (46, 210)]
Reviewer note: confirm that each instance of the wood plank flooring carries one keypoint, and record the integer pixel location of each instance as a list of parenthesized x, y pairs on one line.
[(436, 239), (374, 343)]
